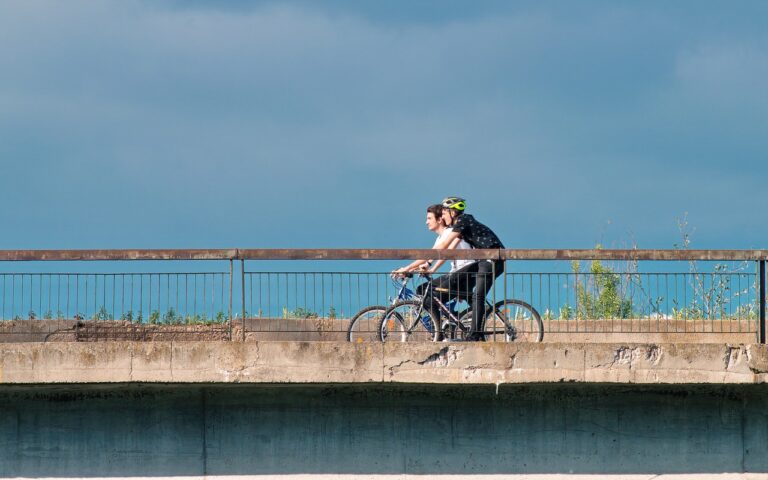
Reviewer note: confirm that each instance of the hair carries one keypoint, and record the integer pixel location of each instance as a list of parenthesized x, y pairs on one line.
[(436, 210)]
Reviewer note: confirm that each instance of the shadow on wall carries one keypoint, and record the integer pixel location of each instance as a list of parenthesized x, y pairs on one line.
[(128, 430)]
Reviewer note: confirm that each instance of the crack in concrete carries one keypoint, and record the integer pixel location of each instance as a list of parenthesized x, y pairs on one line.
[(171, 362), (393, 367), (622, 355), (731, 356), (757, 370), (625, 355), (245, 365), (442, 358), (482, 366), (132, 351), (653, 354)]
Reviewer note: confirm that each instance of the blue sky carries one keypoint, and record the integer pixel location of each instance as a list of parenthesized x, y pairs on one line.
[(133, 124)]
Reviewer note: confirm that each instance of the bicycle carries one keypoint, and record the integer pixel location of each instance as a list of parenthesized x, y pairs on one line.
[(410, 320), (364, 324)]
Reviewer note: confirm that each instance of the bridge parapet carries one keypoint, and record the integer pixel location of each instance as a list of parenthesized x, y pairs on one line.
[(383, 363)]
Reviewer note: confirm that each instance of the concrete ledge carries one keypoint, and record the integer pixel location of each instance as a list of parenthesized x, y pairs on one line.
[(341, 362)]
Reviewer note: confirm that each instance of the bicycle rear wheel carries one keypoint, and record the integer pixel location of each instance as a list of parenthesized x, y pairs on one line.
[(513, 321), (364, 325), (408, 321)]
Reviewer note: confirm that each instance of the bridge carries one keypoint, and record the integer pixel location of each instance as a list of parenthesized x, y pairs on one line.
[(251, 375)]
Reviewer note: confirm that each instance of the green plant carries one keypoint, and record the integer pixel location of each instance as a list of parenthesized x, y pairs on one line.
[(103, 314), (748, 312), (600, 295), (221, 317), (154, 317), (301, 312), (170, 317), (566, 312), (32, 315), (127, 316), (712, 292), (332, 312), (196, 319)]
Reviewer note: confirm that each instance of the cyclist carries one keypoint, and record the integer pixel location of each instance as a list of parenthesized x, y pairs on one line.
[(479, 275)]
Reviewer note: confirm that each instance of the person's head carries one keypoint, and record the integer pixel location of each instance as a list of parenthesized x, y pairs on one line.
[(435, 217), (452, 208)]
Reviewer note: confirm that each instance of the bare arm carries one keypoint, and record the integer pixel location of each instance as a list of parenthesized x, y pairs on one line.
[(414, 265), (451, 246), (441, 245)]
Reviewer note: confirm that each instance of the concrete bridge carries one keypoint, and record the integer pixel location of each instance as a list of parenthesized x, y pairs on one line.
[(334, 409), (339, 410)]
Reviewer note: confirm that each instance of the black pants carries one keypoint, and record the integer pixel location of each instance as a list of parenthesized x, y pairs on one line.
[(471, 283)]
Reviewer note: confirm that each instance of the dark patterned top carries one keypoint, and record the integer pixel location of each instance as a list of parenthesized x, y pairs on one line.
[(475, 233)]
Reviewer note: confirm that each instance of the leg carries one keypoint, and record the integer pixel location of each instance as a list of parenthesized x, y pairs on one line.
[(438, 291), (486, 273), (456, 284), (463, 281)]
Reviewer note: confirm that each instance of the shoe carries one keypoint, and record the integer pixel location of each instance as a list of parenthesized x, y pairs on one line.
[(469, 338), (475, 337)]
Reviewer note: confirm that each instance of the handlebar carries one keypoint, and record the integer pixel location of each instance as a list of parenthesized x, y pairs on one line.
[(425, 275)]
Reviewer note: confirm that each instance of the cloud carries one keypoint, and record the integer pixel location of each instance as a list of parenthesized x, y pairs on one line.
[(203, 123)]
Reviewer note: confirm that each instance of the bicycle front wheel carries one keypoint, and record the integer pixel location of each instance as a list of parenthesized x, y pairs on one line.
[(408, 321), (513, 321), (364, 325)]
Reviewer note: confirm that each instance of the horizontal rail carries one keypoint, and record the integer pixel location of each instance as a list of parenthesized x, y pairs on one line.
[(152, 254), (381, 254), (636, 254), (365, 254)]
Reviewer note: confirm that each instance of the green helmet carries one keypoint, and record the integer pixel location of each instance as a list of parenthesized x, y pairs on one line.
[(455, 203)]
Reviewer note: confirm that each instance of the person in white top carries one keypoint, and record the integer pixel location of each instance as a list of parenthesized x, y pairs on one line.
[(436, 224)]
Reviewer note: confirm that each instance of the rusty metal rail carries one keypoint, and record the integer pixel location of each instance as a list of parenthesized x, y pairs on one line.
[(381, 254)]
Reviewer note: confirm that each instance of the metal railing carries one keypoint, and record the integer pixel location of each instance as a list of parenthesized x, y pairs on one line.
[(592, 292)]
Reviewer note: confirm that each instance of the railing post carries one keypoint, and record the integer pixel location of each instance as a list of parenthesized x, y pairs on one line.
[(761, 280), (231, 287), (242, 283)]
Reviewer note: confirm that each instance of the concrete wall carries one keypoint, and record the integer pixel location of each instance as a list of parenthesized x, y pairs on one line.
[(225, 430), (342, 362)]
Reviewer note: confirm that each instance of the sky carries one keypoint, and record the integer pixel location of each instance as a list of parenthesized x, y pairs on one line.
[(302, 124)]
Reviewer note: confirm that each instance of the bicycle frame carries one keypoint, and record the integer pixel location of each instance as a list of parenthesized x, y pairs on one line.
[(451, 313), (403, 292)]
